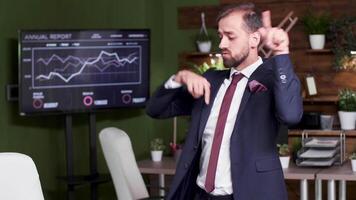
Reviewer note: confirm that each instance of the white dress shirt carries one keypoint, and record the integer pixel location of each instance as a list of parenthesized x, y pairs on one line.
[(223, 183)]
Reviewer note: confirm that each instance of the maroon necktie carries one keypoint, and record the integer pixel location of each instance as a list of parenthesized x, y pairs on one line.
[(219, 131)]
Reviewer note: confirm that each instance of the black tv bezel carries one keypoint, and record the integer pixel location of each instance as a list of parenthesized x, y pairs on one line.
[(92, 110)]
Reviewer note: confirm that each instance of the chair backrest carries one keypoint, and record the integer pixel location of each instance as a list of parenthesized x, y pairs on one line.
[(120, 158), (19, 178)]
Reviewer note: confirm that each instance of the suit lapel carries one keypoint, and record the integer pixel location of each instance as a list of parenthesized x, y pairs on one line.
[(256, 75), (244, 100), (215, 86)]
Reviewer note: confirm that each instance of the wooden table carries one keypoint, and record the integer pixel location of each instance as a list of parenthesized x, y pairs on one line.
[(337, 173), (303, 174), (165, 167), (168, 167)]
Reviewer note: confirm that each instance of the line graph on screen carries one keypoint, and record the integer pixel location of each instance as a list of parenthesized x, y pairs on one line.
[(94, 66)]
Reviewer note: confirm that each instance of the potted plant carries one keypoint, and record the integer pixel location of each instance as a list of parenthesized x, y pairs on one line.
[(316, 26), (296, 145), (347, 109), (157, 147), (203, 39), (216, 62), (203, 42), (343, 36), (353, 161), (283, 151)]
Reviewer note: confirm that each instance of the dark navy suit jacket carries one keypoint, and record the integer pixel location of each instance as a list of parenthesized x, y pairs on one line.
[(255, 167)]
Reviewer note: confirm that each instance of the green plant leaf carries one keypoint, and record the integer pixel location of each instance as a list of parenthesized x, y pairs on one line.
[(316, 24), (283, 149), (347, 100)]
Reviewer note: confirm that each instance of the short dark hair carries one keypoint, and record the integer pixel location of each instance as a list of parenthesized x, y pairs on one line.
[(251, 16)]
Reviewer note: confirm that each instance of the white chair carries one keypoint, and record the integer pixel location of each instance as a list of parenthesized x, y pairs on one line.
[(120, 158), (19, 179)]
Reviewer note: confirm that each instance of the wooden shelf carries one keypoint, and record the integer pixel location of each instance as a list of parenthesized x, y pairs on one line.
[(336, 133), (322, 99), (199, 54), (319, 51)]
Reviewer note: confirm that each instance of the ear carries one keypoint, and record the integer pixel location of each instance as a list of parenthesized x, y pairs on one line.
[(255, 39)]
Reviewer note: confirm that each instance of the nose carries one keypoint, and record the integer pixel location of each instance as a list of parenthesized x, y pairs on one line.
[(223, 43)]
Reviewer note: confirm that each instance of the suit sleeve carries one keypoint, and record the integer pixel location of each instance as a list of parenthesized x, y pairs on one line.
[(287, 91), (166, 103)]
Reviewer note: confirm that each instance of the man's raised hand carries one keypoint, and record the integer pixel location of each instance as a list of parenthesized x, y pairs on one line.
[(275, 38)]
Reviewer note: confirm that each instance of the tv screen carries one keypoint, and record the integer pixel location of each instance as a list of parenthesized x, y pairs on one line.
[(82, 70)]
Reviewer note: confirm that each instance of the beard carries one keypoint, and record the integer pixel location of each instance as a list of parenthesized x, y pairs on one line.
[(237, 60)]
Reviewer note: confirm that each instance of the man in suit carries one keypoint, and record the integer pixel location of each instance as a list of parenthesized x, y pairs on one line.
[(230, 149)]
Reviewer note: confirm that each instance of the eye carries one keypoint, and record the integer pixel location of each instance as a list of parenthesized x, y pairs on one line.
[(231, 36)]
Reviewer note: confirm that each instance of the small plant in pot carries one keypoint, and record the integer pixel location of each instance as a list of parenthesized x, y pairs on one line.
[(296, 145), (342, 34), (203, 39), (204, 42), (347, 109), (157, 147), (216, 63), (353, 161), (283, 151), (316, 26)]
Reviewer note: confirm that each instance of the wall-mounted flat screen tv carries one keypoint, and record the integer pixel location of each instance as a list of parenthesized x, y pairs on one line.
[(74, 71)]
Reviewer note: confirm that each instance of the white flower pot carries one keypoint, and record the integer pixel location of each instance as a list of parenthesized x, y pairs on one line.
[(284, 161), (317, 41), (353, 165), (156, 156), (204, 46), (347, 120)]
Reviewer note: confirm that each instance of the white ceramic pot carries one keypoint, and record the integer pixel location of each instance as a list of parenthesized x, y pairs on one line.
[(156, 156), (317, 41), (353, 165), (284, 161), (347, 120), (204, 46)]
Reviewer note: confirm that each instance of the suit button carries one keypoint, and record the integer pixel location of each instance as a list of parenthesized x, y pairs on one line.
[(195, 147)]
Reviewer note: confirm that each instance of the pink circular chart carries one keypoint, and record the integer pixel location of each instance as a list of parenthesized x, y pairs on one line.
[(88, 101), (37, 103), (126, 98)]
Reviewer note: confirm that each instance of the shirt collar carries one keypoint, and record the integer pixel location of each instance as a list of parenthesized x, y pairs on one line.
[(247, 71)]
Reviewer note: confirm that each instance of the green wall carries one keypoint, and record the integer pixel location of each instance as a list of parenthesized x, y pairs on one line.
[(42, 137)]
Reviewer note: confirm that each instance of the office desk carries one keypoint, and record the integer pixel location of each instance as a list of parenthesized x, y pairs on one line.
[(340, 173), (303, 174), (166, 167)]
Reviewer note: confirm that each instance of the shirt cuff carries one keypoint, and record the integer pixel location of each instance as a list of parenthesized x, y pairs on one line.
[(171, 84)]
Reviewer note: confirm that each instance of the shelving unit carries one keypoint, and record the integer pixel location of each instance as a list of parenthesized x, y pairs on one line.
[(321, 99), (322, 133), (318, 51)]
